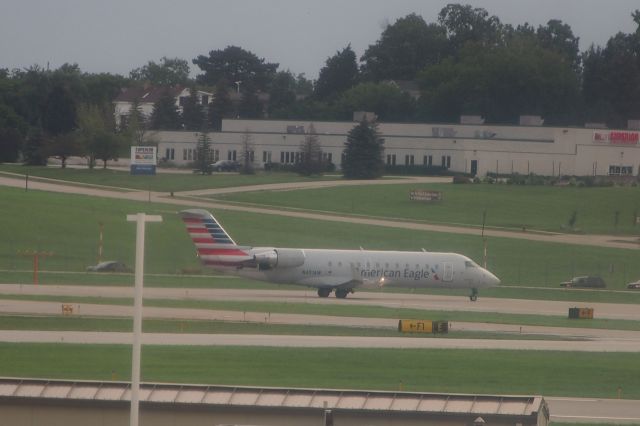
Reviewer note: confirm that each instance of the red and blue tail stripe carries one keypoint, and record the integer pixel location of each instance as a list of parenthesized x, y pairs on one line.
[(215, 247)]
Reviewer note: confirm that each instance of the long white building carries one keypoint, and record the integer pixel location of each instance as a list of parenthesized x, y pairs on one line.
[(470, 148)]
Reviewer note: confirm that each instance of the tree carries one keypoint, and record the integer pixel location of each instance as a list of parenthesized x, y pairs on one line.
[(558, 37), (34, 148), (60, 112), (247, 153), (404, 49), (310, 154), (193, 114), (235, 64), (363, 154), (220, 107), (250, 105), (63, 146), (386, 100), (466, 24), (169, 72), (204, 157), (137, 125), (339, 74), (501, 83), (283, 91), (611, 78), (96, 131), (165, 115), (12, 133)]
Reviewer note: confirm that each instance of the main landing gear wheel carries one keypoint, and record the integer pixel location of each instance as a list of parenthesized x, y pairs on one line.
[(341, 293), (324, 292), (474, 294)]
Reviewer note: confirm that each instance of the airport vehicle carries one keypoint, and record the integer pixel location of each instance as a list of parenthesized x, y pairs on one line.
[(109, 266), (634, 285), (584, 282), (225, 166), (327, 270)]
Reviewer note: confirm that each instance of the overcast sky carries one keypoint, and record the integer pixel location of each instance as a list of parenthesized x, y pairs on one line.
[(119, 35)]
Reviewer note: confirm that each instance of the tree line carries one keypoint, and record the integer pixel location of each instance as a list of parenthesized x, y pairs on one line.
[(467, 62)]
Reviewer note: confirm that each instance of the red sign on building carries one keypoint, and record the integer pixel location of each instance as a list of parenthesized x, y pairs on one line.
[(617, 137)]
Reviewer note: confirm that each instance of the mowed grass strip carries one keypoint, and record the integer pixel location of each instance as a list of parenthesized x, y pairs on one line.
[(69, 228), (350, 311), (77, 323), (598, 210), (596, 375)]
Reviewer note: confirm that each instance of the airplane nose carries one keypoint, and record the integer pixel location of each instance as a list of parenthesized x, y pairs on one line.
[(491, 279), (487, 279)]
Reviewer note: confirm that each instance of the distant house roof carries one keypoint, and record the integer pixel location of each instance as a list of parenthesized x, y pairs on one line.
[(147, 94)]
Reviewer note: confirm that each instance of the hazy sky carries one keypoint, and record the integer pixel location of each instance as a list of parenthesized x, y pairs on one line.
[(119, 35)]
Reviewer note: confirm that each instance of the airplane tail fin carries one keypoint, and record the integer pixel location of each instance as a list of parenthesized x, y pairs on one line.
[(214, 245)]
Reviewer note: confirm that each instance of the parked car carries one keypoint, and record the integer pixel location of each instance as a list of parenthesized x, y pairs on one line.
[(585, 282), (225, 166), (634, 285), (109, 266)]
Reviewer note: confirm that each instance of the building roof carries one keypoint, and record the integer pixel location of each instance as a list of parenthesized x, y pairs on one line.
[(287, 398)]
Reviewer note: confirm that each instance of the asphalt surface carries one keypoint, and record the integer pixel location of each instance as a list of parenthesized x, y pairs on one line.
[(360, 298)]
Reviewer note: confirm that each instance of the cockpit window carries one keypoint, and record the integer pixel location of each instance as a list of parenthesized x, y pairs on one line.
[(469, 264)]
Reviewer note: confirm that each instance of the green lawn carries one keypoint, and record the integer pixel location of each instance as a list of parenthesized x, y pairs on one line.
[(345, 310), (68, 226), (161, 182), (80, 323), (542, 208), (433, 370)]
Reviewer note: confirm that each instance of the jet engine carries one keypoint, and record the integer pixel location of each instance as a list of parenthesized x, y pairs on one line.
[(279, 258)]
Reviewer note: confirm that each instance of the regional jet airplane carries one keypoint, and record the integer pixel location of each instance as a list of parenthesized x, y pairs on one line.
[(339, 271)]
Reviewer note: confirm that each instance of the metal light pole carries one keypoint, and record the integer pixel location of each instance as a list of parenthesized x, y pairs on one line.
[(140, 219)]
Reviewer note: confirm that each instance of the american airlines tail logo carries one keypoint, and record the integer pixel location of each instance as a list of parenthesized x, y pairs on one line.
[(214, 245)]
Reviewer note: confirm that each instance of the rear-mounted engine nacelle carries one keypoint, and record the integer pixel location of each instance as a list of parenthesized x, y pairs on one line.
[(279, 258)]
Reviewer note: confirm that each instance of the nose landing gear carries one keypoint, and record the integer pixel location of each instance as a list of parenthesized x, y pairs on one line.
[(474, 295)]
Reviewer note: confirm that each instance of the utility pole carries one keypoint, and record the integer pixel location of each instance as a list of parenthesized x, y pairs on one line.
[(140, 219)]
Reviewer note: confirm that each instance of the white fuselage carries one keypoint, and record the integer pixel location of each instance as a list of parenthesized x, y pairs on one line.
[(352, 268)]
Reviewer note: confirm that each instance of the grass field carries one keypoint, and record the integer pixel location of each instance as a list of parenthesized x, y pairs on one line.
[(458, 371), (161, 182), (80, 323), (68, 226), (542, 208)]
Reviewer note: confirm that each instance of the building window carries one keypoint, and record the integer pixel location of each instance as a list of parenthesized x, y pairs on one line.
[(408, 160), (620, 170), (326, 157), (446, 161), (282, 157), (266, 156), (184, 154), (391, 159), (286, 158), (428, 160), (231, 155), (204, 100), (216, 155), (189, 154), (169, 154)]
